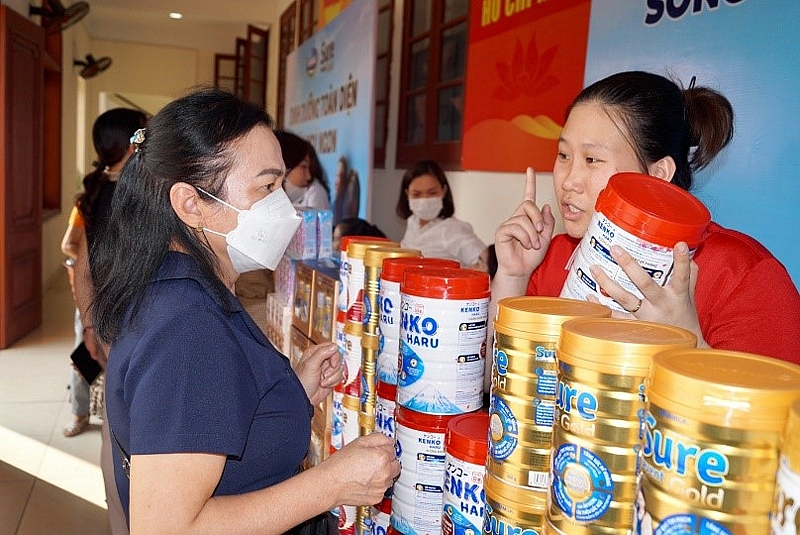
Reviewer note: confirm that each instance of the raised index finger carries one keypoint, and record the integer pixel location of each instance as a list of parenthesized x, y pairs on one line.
[(530, 185)]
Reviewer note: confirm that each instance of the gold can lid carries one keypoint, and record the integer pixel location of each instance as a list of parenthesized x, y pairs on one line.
[(542, 316), (727, 388), (354, 328), (612, 345), (791, 441), (357, 249), (352, 403), (374, 257)]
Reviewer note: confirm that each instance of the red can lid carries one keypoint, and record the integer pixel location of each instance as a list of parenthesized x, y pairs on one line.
[(432, 423), (467, 437), (347, 239), (654, 209), (385, 505), (394, 268), (341, 316), (386, 391), (445, 283)]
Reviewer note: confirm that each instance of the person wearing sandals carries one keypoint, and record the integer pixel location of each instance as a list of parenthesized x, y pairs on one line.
[(111, 134)]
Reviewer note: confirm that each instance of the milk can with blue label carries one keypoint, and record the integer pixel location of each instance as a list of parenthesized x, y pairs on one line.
[(598, 437), (389, 304), (418, 493), (524, 379), (785, 517), (713, 430), (646, 217), (344, 267), (465, 460), (442, 340)]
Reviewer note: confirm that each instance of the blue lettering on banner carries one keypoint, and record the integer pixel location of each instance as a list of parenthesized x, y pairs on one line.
[(387, 307), (606, 228), (675, 9)]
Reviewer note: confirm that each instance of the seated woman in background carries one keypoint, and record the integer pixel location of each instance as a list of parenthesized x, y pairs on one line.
[(426, 204), (305, 183), (353, 226)]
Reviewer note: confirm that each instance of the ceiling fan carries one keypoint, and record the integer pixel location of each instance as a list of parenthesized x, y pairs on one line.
[(56, 17), (92, 66)]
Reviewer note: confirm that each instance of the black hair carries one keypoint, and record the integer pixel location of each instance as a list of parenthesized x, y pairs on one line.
[(189, 141), (294, 149), (355, 226), (691, 125), (425, 167), (491, 260), (111, 134)]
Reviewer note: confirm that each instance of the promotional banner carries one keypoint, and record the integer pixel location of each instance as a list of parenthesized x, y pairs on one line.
[(330, 82), (525, 64), (748, 51), (527, 61)]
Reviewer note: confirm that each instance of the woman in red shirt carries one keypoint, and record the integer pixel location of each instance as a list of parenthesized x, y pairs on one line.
[(733, 294)]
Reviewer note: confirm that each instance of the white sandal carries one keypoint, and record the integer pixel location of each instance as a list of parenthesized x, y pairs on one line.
[(75, 427)]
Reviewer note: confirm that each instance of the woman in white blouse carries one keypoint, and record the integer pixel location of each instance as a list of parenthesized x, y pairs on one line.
[(426, 204)]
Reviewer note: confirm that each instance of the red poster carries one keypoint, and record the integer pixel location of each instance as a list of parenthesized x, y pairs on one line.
[(525, 65)]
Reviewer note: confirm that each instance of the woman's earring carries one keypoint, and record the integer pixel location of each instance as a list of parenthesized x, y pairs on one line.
[(199, 227)]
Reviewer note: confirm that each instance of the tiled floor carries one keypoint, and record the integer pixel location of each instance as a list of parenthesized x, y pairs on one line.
[(49, 485)]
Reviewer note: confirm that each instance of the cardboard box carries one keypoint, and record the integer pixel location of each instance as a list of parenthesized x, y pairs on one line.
[(279, 323), (321, 425), (285, 278), (325, 234), (303, 301), (304, 242), (325, 294), (298, 342)]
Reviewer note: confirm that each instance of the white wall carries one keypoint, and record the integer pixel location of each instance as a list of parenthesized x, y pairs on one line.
[(136, 69)]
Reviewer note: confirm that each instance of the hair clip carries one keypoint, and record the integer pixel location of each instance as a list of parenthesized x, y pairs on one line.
[(692, 82), (138, 138)]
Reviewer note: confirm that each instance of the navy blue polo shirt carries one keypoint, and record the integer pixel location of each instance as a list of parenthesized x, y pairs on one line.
[(184, 376)]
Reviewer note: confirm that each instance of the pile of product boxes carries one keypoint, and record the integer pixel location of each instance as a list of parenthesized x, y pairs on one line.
[(302, 310)]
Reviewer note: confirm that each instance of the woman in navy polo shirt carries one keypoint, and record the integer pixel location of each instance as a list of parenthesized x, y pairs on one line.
[(212, 419)]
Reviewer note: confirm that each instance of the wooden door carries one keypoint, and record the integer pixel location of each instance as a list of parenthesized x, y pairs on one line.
[(225, 71), (286, 43), (255, 65), (21, 172)]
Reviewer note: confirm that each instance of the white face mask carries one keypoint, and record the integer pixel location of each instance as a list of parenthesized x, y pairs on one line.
[(426, 208), (262, 233), (295, 193)]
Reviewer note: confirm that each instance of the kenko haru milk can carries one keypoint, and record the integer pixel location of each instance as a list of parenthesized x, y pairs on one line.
[(442, 340), (646, 216)]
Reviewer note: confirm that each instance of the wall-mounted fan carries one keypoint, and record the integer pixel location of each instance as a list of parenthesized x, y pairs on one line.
[(56, 17), (92, 67)]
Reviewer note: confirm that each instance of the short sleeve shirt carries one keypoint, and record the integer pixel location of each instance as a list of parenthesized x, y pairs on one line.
[(192, 372)]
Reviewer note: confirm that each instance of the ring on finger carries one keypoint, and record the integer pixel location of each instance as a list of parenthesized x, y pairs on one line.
[(635, 309)]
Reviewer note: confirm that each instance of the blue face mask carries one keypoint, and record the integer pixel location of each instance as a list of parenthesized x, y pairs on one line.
[(262, 233)]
